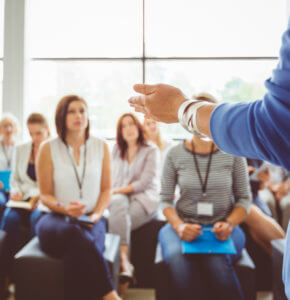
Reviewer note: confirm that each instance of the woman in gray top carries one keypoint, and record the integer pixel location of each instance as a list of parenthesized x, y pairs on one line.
[(135, 187), (208, 179)]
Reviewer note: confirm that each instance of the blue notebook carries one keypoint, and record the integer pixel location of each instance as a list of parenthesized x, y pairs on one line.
[(207, 243), (5, 179)]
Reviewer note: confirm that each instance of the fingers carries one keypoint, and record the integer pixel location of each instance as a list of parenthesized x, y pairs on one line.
[(222, 231), (218, 226), (75, 209), (191, 232), (145, 89), (137, 100), (76, 203), (139, 108)]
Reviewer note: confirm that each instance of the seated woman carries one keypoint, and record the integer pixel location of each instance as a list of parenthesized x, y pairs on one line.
[(253, 166), (276, 192), (135, 187), (74, 177), (260, 225), (262, 228), (208, 176), (23, 184), (9, 128), (153, 134), (23, 187)]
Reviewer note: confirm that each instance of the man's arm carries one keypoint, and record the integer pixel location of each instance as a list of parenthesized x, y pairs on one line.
[(260, 129)]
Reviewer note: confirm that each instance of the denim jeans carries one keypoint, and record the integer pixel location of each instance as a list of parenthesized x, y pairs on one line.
[(13, 219), (3, 201), (201, 276), (86, 273)]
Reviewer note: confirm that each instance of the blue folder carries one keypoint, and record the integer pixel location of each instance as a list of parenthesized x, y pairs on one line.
[(5, 179), (207, 243)]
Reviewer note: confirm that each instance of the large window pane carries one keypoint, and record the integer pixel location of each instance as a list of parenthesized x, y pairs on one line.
[(227, 80), (106, 86), (85, 28), (214, 28)]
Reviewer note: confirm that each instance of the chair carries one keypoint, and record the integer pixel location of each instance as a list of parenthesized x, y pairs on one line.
[(278, 249), (244, 267), (39, 276)]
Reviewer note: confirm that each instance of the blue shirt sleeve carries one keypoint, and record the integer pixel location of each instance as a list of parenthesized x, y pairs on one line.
[(286, 265), (260, 129)]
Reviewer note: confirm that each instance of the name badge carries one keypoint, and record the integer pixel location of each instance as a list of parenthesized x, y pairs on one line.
[(205, 209)]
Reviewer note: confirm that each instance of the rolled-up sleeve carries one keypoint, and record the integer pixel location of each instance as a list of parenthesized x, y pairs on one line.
[(241, 187), (168, 183), (148, 174)]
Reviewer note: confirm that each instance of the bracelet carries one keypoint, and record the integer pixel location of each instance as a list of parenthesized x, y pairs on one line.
[(181, 112), (230, 224), (192, 111), (187, 115)]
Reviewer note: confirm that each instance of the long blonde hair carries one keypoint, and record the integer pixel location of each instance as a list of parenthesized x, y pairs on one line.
[(160, 144)]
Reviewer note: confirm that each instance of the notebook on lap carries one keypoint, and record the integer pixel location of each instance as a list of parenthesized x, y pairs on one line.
[(207, 243)]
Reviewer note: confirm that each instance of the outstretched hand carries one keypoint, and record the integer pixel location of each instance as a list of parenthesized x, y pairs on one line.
[(159, 102)]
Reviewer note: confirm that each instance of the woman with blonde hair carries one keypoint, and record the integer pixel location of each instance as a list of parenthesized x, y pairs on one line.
[(9, 129), (153, 134)]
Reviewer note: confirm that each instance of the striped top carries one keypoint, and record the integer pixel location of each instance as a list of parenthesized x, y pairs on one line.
[(227, 185)]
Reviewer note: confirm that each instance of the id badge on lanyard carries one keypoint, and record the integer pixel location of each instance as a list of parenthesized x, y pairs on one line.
[(204, 207)]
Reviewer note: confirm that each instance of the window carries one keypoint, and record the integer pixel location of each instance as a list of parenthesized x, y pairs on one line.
[(106, 86), (99, 49)]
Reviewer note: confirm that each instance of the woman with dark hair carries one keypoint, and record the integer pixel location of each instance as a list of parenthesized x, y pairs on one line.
[(75, 180), (135, 187), (23, 189)]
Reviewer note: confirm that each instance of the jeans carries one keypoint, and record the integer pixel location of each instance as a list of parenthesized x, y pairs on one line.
[(3, 201), (86, 273), (201, 276), (12, 221)]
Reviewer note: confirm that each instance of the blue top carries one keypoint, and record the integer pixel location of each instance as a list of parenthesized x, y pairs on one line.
[(286, 265), (260, 129)]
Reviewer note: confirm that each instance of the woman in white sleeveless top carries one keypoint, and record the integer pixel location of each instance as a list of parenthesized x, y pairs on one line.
[(74, 180)]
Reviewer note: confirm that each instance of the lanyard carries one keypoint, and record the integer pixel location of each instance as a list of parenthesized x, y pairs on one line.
[(6, 155), (80, 182), (203, 184)]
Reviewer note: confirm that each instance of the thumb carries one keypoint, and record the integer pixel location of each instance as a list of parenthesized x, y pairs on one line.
[(145, 89)]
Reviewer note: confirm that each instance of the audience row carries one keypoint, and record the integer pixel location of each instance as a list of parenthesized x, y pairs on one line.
[(74, 176)]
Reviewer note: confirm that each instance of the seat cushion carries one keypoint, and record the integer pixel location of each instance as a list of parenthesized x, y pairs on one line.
[(34, 268)]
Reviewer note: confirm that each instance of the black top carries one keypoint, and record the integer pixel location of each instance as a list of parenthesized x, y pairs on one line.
[(31, 171)]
